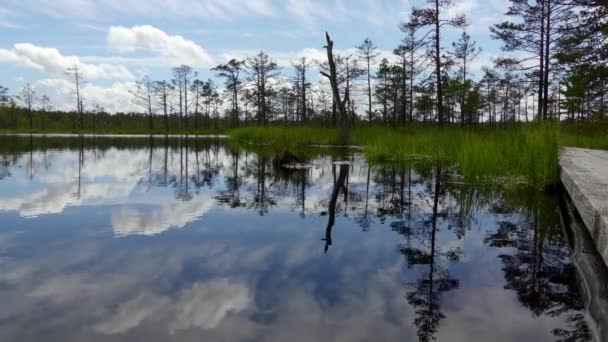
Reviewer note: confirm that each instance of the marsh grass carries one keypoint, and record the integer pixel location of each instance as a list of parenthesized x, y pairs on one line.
[(480, 154), (512, 155), (592, 135)]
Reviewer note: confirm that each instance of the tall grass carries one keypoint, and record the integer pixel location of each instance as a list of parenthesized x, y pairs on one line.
[(526, 153)]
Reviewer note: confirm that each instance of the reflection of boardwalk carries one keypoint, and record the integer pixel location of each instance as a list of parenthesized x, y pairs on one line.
[(584, 174)]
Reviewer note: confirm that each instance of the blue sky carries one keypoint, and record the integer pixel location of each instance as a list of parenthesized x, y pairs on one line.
[(118, 41)]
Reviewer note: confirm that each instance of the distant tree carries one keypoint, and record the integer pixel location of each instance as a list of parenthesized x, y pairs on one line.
[(490, 81), (390, 82), (424, 106), (4, 97), (143, 96), (352, 73), (208, 93), (196, 88), (382, 92), (287, 99), (368, 52), (74, 71), (432, 17), (163, 90), (302, 85), (472, 105), (415, 62), (45, 103), (574, 90), (28, 96), (182, 75), (261, 70), (231, 73), (464, 52), (403, 54)]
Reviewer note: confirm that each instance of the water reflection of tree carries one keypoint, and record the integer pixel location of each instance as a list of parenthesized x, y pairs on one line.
[(364, 219), (394, 193), (338, 186), (262, 201), (77, 193), (232, 195), (436, 279), (539, 270), (292, 183), (150, 154), (183, 191)]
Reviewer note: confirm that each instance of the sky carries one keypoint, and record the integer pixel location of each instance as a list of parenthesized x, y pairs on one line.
[(116, 42)]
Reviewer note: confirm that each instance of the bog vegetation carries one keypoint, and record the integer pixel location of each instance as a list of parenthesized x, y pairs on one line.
[(547, 89)]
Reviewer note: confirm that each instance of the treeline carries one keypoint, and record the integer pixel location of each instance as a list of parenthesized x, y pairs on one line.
[(18, 119), (555, 66)]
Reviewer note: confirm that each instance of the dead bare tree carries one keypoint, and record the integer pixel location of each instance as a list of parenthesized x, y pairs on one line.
[(142, 96), (74, 71), (28, 97), (333, 80)]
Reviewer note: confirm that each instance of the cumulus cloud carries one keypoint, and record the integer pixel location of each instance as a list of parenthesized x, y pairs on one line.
[(176, 49), (113, 98), (129, 221), (50, 60), (207, 304), (203, 306), (462, 7), (131, 313), (56, 198)]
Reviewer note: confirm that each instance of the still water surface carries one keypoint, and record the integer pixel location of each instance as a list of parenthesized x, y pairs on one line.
[(122, 239)]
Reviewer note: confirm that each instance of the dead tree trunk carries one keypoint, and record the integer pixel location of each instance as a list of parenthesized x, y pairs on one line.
[(333, 80)]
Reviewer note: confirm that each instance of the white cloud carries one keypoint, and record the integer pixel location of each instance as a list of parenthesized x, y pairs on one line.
[(207, 304), (130, 221), (50, 60), (130, 314), (465, 7), (113, 98), (176, 49), (204, 306)]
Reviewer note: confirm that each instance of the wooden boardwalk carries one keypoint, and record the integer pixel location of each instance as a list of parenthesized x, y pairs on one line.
[(584, 174)]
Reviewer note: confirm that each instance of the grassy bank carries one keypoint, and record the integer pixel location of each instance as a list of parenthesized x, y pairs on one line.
[(525, 153)]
